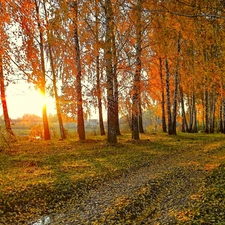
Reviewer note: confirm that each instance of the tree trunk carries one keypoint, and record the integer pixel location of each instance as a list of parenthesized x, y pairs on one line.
[(43, 81), (99, 96), (184, 126), (203, 113), (134, 120), (176, 84), (194, 112), (57, 101), (212, 112), (170, 124), (116, 94), (223, 115), (195, 128), (139, 53), (4, 104), (98, 84), (136, 82), (206, 112), (116, 102), (163, 96), (221, 120), (80, 116), (112, 134), (140, 118), (191, 112)]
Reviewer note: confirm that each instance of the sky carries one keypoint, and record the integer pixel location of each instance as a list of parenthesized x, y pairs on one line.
[(23, 98)]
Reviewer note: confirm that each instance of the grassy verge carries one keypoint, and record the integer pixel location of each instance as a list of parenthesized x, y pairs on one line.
[(210, 207), (40, 177)]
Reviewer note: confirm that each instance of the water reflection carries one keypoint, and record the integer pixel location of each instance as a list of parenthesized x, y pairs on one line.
[(43, 221)]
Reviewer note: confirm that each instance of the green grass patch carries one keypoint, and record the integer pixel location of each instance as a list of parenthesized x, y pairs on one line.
[(210, 208)]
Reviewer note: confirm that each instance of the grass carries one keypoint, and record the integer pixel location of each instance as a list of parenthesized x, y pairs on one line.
[(210, 207), (40, 177)]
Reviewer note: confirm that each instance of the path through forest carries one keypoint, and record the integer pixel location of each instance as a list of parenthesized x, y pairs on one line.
[(160, 193)]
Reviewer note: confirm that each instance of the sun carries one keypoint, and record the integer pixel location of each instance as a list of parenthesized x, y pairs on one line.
[(39, 98), (29, 101), (36, 101)]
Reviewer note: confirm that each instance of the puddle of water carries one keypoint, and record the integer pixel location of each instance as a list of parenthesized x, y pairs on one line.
[(43, 221)]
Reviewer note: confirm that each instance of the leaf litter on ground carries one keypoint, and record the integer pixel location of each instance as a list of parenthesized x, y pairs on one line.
[(161, 181)]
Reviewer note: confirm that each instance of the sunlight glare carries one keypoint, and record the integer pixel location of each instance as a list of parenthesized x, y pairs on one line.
[(30, 101)]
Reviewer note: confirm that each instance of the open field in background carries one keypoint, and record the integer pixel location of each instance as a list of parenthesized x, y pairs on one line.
[(26, 132), (44, 177)]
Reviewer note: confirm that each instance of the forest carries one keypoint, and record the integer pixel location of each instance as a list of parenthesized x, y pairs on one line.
[(132, 61), (119, 56)]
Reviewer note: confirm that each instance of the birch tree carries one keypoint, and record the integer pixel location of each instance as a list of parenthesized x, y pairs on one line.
[(4, 20), (111, 118), (79, 98), (50, 38)]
